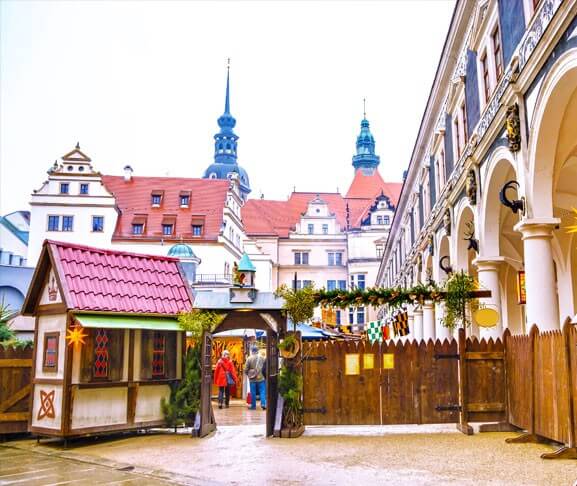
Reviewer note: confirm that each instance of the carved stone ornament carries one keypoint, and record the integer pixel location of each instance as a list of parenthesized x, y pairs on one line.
[(513, 125), (447, 222), (471, 187), (419, 263)]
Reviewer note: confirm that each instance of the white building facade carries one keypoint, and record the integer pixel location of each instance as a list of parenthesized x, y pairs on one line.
[(493, 177)]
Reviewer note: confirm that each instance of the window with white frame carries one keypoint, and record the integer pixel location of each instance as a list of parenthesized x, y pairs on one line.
[(335, 258), (336, 284), (459, 128), (358, 281), (490, 61), (301, 257)]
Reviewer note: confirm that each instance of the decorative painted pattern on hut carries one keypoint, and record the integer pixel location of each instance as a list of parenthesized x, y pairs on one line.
[(107, 344)]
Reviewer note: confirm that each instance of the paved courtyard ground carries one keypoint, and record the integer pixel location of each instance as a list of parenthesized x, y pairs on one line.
[(240, 454)]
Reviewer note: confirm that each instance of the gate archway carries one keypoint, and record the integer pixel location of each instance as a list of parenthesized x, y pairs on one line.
[(263, 313)]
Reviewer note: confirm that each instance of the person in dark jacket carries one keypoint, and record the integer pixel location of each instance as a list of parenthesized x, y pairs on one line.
[(253, 369), (224, 377)]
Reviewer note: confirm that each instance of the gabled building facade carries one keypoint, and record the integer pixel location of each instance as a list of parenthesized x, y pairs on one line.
[(493, 177), (327, 239)]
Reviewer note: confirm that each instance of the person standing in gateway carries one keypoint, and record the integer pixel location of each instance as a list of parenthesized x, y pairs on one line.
[(254, 371)]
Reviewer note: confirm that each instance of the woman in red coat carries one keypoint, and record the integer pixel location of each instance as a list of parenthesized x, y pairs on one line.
[(224, 378)]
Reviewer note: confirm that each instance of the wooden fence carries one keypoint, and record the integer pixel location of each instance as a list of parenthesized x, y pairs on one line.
[(411, 382), (542, 387), (15, 386)]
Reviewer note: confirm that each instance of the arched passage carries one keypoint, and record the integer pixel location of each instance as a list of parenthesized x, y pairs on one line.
[(501, 246), (552, 193), (465, 253)]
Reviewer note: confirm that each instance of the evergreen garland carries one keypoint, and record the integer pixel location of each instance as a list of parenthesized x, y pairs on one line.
[(375, 297)]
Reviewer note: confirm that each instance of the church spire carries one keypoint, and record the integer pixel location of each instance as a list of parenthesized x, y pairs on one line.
[(365, 157), (225, 141)]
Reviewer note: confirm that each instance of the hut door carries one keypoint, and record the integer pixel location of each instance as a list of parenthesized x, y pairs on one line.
[(272, 380), (207, 423)]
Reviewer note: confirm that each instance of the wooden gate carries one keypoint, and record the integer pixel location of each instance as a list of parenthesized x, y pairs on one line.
[(272, 380), (205, 423), (349, 383), (15, 386)]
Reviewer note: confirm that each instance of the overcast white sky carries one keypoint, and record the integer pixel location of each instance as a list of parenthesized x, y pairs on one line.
[(142, 82)]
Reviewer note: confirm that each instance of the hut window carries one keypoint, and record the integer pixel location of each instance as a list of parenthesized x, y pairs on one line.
[(50, 361), (101, 354), (158, 354)]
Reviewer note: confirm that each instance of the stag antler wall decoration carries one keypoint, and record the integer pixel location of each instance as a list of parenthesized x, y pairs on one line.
[(470, 237)]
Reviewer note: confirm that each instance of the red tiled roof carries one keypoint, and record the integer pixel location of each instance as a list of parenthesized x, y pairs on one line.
[(277, 218), (106, 280), (370, 186), (207, 199)]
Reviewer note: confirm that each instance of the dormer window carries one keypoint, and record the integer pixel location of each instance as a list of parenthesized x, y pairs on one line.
[(70, 168), (197, 225), (168, 224), (184, 199), (311, 229), (325, 229), (64, 188), (156, 199), (84, 189), (386, 219), (379, 220), (139, 224)]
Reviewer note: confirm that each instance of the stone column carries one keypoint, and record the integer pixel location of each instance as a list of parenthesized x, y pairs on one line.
[(441, 332), (542, 306), (417, 329), (488, 271), (428, 321)]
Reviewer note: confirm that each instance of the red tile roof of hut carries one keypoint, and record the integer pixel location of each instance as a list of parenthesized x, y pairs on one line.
[(95, 279)]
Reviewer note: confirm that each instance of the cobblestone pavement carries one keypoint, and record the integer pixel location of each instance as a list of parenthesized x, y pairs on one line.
[(241, 454), (26, 467)]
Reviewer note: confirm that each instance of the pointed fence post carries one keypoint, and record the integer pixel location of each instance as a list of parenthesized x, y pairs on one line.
[(569, 450), (463, 424), (530, 435)]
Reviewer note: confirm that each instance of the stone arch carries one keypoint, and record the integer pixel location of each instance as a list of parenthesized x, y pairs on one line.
[(463, 255), (550, 136), (552, 160), (500, 169)]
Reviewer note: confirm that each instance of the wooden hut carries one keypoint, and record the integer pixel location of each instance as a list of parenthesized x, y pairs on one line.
[(107, 344)]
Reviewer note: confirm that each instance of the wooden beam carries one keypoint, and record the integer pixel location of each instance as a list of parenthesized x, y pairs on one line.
[(485, 355), (486, 407), (15, 363), (14, 399), (14, 417)]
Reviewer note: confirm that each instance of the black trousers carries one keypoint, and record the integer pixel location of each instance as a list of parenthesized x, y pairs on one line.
[(224, 394)]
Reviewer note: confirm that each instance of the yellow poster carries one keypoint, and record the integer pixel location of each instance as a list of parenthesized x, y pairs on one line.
[(352, 364), (368, 361), (388, 361)]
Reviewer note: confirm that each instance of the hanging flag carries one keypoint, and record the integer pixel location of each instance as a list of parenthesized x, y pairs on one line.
[(403, 323), (386, 331), (375, 331)]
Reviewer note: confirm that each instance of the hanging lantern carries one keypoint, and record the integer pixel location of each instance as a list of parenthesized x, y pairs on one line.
[(521, 291)]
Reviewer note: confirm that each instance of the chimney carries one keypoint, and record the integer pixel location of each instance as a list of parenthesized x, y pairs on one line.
[(127, 173)]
